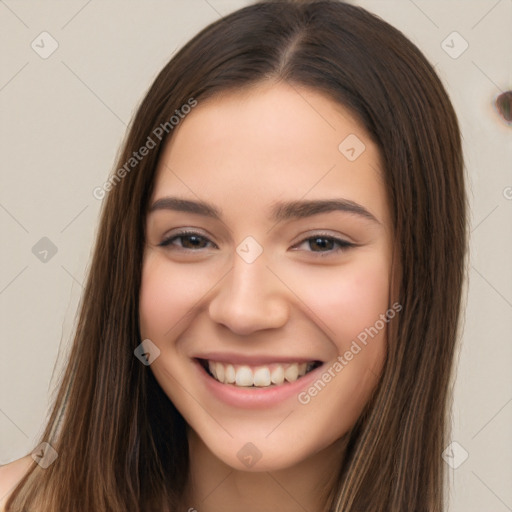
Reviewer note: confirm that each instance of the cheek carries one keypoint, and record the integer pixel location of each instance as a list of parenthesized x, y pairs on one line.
[(363, 297), (166, 297), (347, 299), (350, 300)]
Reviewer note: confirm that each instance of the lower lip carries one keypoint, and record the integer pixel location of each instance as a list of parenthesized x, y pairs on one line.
[(253, 397)]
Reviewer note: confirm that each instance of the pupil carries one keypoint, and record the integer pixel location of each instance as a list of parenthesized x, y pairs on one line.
[(193, 240), (323, 243)]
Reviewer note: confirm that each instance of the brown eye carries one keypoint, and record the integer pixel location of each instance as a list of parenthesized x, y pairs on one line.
[(324, 245), (189, 240)]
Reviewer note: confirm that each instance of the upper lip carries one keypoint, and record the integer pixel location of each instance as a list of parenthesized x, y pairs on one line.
[(252, 360)]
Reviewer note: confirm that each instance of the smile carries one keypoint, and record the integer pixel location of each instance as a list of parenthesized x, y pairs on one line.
[(261, 376)]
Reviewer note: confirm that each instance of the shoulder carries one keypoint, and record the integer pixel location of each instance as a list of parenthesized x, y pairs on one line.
[(10, 475)]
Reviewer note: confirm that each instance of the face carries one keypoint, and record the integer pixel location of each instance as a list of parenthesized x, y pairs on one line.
[(266, 274)]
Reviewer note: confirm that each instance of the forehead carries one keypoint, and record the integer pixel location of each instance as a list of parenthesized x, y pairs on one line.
[(268, 142)]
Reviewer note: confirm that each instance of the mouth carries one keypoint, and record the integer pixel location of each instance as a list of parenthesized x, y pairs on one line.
[(259, 376)]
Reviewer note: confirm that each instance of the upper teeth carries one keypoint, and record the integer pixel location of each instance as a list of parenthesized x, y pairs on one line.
[(260, 376)]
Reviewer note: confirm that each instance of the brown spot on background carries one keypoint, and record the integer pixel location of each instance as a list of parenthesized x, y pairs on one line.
[(504, 105)]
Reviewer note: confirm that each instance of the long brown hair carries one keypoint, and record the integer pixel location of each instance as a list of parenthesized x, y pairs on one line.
[(121, 443)]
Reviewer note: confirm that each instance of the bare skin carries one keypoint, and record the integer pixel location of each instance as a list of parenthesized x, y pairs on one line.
[(10, 476), (304, 296)]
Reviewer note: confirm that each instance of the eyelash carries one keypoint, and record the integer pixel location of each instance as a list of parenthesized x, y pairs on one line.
[(343, 245)]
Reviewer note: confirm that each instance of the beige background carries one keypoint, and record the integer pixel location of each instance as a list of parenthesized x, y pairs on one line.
[(63, 118)]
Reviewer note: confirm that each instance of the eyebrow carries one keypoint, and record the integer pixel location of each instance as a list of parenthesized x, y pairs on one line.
[(280, 211)]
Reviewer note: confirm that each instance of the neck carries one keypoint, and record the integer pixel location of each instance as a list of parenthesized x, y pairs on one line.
[(214, 486)]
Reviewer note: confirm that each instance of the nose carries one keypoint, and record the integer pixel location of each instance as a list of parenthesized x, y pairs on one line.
[(249, 298)]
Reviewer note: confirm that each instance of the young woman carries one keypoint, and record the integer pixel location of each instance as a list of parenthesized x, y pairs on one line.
[(270, 317)]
